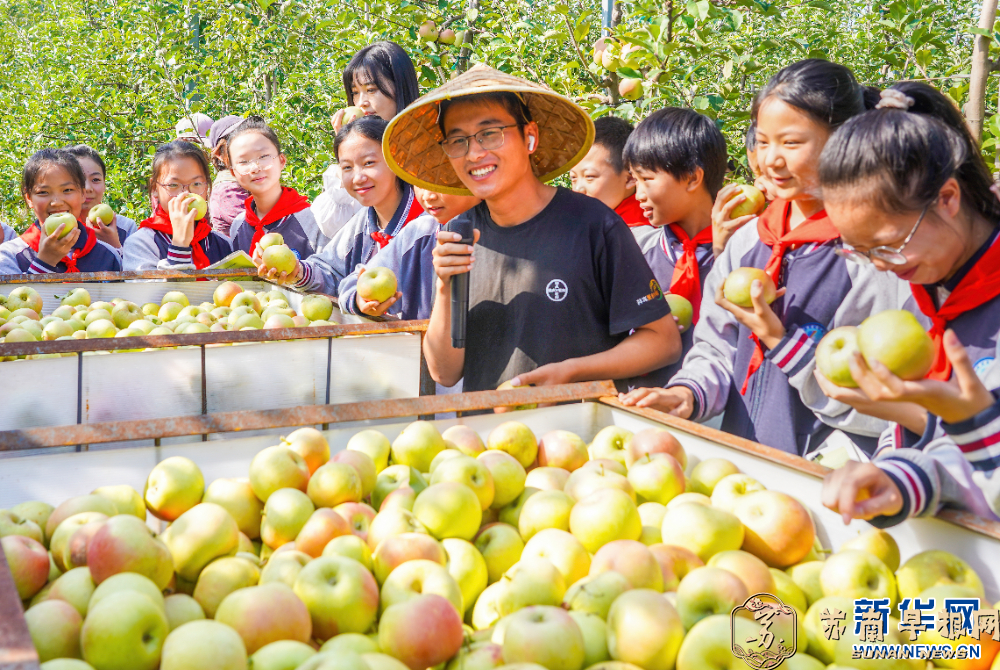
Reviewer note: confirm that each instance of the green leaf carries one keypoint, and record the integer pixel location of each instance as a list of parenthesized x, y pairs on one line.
[(471, 14), (629, 72), (698, 9), (979, 31), (701, 103)]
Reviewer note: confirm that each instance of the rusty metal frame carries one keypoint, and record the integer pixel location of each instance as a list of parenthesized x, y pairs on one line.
[(84, 277)]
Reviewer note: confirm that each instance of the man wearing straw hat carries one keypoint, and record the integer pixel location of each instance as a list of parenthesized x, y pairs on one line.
[(559, 290)]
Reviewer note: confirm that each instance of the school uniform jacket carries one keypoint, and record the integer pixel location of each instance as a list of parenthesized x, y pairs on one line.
[(8, 232), (783, 406), (125, 226), (299, 231), (16, 257), (410, 257), (148, 249)]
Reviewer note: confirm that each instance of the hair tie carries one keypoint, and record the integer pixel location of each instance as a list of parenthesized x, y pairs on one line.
[(892, 98)]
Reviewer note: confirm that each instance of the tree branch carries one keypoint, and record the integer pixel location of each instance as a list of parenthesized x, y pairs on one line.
[(579, 53)]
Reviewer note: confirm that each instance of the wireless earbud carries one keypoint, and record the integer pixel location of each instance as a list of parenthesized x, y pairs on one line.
[(531, 143)]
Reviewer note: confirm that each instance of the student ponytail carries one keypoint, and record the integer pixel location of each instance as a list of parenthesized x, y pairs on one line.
[(899, 156), (827, 92)]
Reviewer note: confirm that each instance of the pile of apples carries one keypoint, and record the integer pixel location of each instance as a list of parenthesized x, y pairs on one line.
[(442, 551), (233, 308)]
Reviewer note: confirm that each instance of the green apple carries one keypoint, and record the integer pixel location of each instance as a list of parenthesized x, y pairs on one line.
[(75, 587), (422, 632), (12, 523), (101, 328), (351, 643), (203, 645), (333, 484), (878, 543), (284, 567), (470, 472), (708, 646), (935, 568), (173, 487), (484, 655), (277, 467), (595, 637), (222, 577), (28, 563), (562, 449), (197, 204), (465, 439), (276, 320), (376, 284), (63, 312), (468, 568), (561, 549), (547, 479), (350, 114), (281, 258), (486, 613), (443, 456), (706, 591), (126, 581), (611, 443), (169, 311), (531, 581), (246, 299), (731, 488), (199, 536), (54, 626), (681, 309), (270, 240), (806, 576), (508, 476), (322, 526), (237, 497), (125, 631), (737, 286), (417, 445), (651, 513), (704, 530), (818, 644), (391, 522), (73, 297), (125, 313), (644, 629), (281, 655), (351, 546), (754, 203), (124, 543), (631, 559), (545, 509), (834, 353), (449, 509), (247, 322), (175, 296), (788, 591), (515, 439), (285, 513), (416, 577), (853, 574), (265, 614), (316, 307), (544, 635), (56, 329), (181, 608), (364, 466), (752, 571), (65, 219), (657, 478), (341, 595), (604, 516), (150, 309), (374, 444), (897, 340), (511, 514), (501, 547)]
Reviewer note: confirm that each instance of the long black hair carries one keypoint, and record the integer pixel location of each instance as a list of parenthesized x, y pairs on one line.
[(899, 159), (387, 66), (826, 92)]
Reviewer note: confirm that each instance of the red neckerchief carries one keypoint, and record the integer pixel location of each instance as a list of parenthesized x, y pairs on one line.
[(160, 222), (382, 238), (978, 287), (686, 280), (289, 203), (772, 227), (631, 212), (33, 235)]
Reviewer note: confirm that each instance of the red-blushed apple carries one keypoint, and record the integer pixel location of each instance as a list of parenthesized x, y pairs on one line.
[(511, 514), (125, 631), (413, 578), (373, 443), (54, 626), (644, 629), (675, 562), (654, 441), (896, 339), (531, 581), (731, 488), (853, 574), (225, 292), (284, 567), (477, 656), (547, 478), (752, 571), (736, 288), (398, 549), (468, 568), (878, 543), (633, 560), (237, 497), (465, 440), (173, 487), (545, 635), (323, 525), (358, 515), (310, 444), (778, 529), (516, 439), (704, 530), (443, 455), (391, 522), (706, 474), (203, 645), (199, 536), (595, 594), (281, 655), (395, 477), (417, 445), (64, 533), (611, 443), (75, 587), (126, 544), (74, 553), (222, 577), (78, 505), (403, 498), (604, 516), (276, 468), (657, 478), (501, 546), (508, 476), (365, 467), (181, 608), (125, 498), (935, 567), (341, 595), (630, 88), (561, 549), (545, 509), (265, 614), (585, 481), (421, 632), (333, 484), (707, 591), (470, 472), (376, 284)]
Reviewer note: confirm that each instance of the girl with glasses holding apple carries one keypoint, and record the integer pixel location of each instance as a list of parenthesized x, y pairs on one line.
[(178, 235), (908, 190)]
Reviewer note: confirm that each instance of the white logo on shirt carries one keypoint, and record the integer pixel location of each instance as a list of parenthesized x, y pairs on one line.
[(556, 290)]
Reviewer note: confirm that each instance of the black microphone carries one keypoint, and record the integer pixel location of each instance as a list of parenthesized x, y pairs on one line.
[(460, 285)]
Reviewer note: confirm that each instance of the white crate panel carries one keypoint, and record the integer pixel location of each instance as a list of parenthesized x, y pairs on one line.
[(375, 367), (38, 393)]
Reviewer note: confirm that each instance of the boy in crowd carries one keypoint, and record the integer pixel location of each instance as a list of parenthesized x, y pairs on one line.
[(602, 174)]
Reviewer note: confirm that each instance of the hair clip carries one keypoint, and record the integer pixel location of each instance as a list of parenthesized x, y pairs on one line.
[(895, 99)]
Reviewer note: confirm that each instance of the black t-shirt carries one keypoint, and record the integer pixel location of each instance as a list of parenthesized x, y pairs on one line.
[(569, 282)]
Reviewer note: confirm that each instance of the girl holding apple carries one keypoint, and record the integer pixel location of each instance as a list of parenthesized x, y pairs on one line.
[(178, 235), (52, 184), (109, 227), (388, 204), (254, 152), (754, 363), (907, 188)]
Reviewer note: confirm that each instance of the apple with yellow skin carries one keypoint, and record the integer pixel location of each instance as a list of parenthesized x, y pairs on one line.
[(449, 509), (75, 587), (531, 581), (878, 543), (633, 560), (323, 525), (935, 567), (731, 488), (675, 563), (199, 536), (376, 284), (465, 439), (181, 608), (53, 222), (547, 479), (281, 655), (350, 546), (545, 509), (125, 631), (125, 544), (277, 467), (351, 643), (896, 339), (595, 637), (853, 574), (752, 571), (245, 299), (483, 655), (516, 439), (173, 487), (611, 443), (281, 258), (654, 441), (561, 549), (237, 497), (468, 568), (989, 647), (707, 591), (544, 635), (222, 577), (265, 614), (396, 477), (334, 483), (374, 444), (60, 539), (562, 449), (443, 455), (198, 205), (417, 445), (630, 88), (585, 481), (704, 530), (284, 567), (398, 549), (508, 476), (708, 645), (341, 596), (102, 212), (754, 203), (806, 576), (689, 497), (416, 577), (351, 114), (834, 353), (54, 626), (12, 523), (778, 529), (788, 591), (393, 522), (501, 546), (421, 632), (486, 613), (644, 629), (468, 471), (737, 286), (225, 292), (657, 478), (285, 514), (604, 516)]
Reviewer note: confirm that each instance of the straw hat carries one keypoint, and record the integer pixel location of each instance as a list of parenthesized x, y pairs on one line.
[(410, 144)]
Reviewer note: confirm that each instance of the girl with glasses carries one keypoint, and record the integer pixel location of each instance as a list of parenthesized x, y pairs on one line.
[(254, 152), (173, 237), (908, 190)]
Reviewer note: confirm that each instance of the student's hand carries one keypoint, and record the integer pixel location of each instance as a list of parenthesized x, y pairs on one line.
[(766, 187), (910, 415), (546, 375), (337, 120), (861, 491), (374, 308), (451, 258), (723, 223), (961, 397), (283, 278), (760, 319), (676, 400), (51, 249), (182, 219), (107, 234)]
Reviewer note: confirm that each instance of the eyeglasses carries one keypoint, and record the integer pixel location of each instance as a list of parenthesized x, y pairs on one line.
[(174, 188), (488, 138), (882, 253), (262, 163)]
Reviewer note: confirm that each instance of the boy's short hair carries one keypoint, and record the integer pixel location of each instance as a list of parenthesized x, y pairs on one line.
[(612, 133), (679, 141)]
